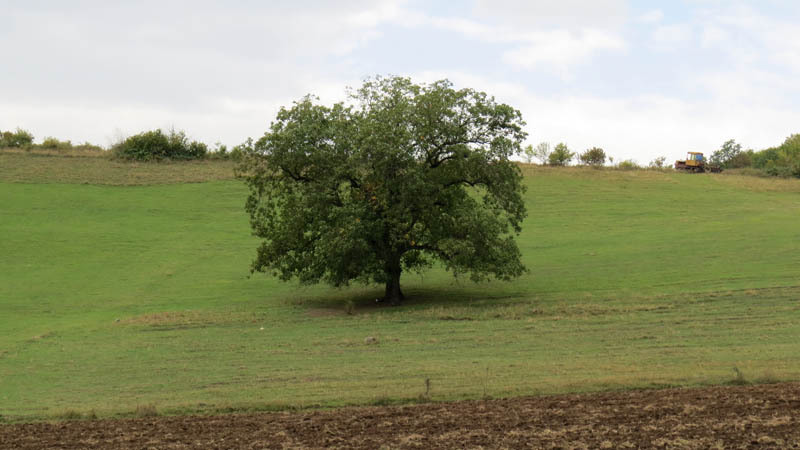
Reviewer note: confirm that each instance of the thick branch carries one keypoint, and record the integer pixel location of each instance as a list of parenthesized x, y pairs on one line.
[(439, 149), (470, 183), (296, 177)]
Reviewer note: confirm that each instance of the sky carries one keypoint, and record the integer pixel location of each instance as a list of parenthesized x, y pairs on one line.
[(640, 79)]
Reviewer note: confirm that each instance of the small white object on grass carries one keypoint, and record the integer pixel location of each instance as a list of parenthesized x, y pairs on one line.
[(370, 340)]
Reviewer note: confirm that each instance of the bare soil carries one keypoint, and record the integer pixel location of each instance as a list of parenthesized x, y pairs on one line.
[(763, 416)]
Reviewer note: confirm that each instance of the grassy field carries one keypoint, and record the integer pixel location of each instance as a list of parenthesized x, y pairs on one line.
[(117, 297), (73, 167)]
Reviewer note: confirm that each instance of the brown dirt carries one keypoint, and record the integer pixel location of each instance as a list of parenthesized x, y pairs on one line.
[(765, 416)]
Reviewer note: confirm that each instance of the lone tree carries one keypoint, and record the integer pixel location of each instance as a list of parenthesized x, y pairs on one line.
[(402, 175)]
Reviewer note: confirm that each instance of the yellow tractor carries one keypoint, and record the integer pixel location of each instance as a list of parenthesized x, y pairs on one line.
[(695, 162)]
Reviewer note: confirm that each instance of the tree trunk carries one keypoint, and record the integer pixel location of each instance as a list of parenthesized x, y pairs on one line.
[(393, 293)]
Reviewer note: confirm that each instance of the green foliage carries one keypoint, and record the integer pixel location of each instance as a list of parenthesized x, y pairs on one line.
[(238, 152), (24, 139), (782, 161), (88, 146), (780, 171), (628, 164), (594, 156), (55, 144), (740, 160), (156, 145), (561, 156), (765, 157), (729, 150), (409, 175), (17, 139), (219, 151), (195, 150), (528, 153), (791, 146)]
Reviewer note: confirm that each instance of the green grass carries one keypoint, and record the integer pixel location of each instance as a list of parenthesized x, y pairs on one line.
[(118, 299), (87, 167)]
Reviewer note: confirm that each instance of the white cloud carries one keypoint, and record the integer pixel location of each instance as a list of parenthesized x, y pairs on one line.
[(559, 50), (196, 63), (751, 37), (469, 28), (641, 127), (644, 127), (371, 18), (714, 35), (81, 70), (177, 50), (555, 50), (547, 14), (746, 87), (783, 47), (650, 17), (672, 37)]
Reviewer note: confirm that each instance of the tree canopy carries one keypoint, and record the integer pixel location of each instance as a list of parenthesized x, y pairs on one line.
[(396, 178)]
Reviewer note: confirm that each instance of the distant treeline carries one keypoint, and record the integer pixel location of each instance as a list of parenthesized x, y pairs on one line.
[(561, 155), (24, 140), (157, 145), (781, 161)]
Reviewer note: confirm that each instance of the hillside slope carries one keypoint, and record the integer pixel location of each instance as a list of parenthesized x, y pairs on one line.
[(113, 297)]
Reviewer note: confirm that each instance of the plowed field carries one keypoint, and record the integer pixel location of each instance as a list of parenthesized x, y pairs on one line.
[(765, 416)]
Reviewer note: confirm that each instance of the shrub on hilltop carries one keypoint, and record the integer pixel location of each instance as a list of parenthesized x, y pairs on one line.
[(782, 161), (52, 143), (16, 139), (67, 147), (729, 152), (594, 156), (560, 156), (628, 164), (156, 146), (658, 163), (741, 160)]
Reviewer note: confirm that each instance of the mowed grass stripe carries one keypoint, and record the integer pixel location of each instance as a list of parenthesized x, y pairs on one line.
[(113, 297)]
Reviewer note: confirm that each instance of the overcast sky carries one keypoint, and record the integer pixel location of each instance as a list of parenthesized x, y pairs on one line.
[(640, 79)]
